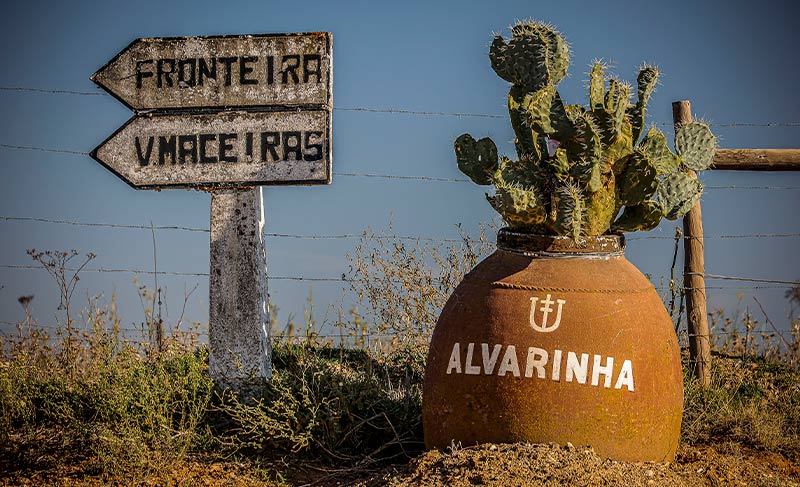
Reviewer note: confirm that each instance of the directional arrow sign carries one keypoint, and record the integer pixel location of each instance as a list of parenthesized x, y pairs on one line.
[(221, 72), (230, 148), (217, 113)]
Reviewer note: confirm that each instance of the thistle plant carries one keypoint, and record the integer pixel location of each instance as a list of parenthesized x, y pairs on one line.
[(581, 171)]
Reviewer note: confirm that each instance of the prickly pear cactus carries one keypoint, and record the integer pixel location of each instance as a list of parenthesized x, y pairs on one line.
[(476, 159), (536, 56), (581, 170)]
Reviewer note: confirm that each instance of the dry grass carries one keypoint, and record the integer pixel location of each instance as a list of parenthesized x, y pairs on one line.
[(740, 333), (116, 405), (403, 284), (130, 407), (753, 401)]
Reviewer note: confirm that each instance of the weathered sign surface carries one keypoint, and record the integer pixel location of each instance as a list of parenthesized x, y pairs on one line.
[(231, 148), (221, 72)]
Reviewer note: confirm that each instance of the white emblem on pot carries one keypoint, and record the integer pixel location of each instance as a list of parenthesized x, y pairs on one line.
[(546, 310)]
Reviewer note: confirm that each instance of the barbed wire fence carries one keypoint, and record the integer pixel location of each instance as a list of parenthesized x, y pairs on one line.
[(394, 110), (756, 283)]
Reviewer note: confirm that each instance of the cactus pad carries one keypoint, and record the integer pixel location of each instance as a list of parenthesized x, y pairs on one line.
[(520, 207), (654, 146), (596, 86), (644, 216), (526, 141), (646, 84), (677, 194), (534, 57), (535, 109), (695, 143), (638, 181), (476, 159), (560, 165), (569, 211)]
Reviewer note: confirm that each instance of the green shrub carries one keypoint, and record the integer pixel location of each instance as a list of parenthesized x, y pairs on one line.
[(342, 403)]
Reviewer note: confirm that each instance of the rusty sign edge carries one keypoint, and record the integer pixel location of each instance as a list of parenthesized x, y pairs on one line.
[(329, 84), (234, 184)]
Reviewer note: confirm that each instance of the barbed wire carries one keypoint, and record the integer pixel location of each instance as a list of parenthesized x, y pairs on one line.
[(175, 273), (343, 236), (733, 186), (104, 225), (178, 273), (734, 236), (142, 330), (727, 288), (399, 176), (206, 230), (106, 270), (80, 329), (343, 278), (53, 91), (399, 111), (359, 334), (737, 278), (367, 236), (379, 176), (419, 112), (739, 333), (44, 149), (348, 236), (754, 124), (356, 334)]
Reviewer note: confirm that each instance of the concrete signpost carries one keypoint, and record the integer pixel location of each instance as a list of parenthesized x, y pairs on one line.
[(226, 114)]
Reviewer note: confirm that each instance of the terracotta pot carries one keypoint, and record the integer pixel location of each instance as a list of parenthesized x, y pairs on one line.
[(547, 340)]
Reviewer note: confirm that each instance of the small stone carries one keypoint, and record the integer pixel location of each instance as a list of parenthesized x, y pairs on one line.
[(569, 446), (649, 473), (493, 448)]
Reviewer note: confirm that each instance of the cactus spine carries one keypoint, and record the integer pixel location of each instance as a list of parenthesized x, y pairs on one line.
[(581, 170)]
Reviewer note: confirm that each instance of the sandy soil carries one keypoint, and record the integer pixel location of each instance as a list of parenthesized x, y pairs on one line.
[(552, 465), (722, 464)]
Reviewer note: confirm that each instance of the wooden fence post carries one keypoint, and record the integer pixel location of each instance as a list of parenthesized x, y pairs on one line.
[(693, 274), (757, 159)]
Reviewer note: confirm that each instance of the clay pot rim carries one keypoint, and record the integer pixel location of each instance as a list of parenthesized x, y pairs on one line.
[(559, 246)]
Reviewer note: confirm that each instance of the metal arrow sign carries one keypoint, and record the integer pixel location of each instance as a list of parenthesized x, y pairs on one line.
[(221, 72), (230, 148)]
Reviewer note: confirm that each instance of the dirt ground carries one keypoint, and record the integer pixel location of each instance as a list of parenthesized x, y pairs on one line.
[(722, 464), (552, 465)]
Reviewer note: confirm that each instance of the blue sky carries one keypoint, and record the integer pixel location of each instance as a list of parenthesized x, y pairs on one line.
[(735, 60)]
